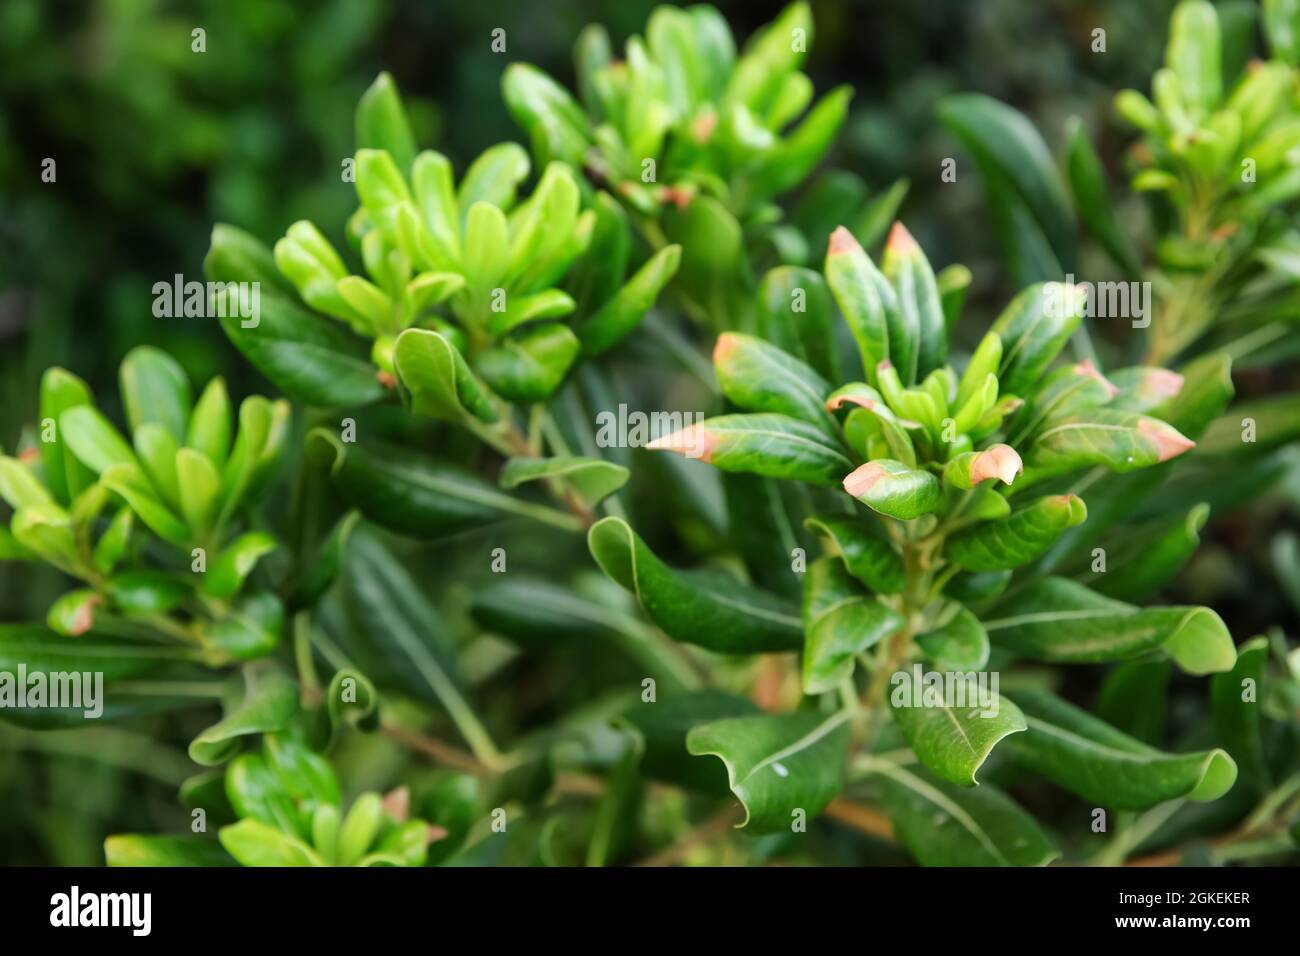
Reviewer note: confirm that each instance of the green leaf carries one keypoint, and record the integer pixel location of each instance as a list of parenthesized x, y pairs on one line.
[(1282, 26), (530, 366), (918, 302), (42, 650), (869, 304), (712, 610), (1141, 558), (759, 377), (211, 424), (309, 357), (793, 311), (128, 481), (318, 573), (1092, 199), (624, 311), (1134, 698), (774, 446), (871, 560), (1195, 56), (1099, 763), (146, 592), (788, 163), (1120, 441), (269, 703), (958, 644), (494, 176), (1253, 427), (1236, 701), (236, 561), (400, 630), (93, 439), (132, 849), (1061, 621), (251, 628), (1017, 539), (411, 494), (200, 493), (437, 378), (840, 621), (664, 725), (952, 725), (155, 389), (1034, 328), (20, 487), (592, 479), (892, 488), (777, 764), (352, 699), (1025, 194), (254, 843), (941, 824), (381, 122), (64, 474), (553, 119)]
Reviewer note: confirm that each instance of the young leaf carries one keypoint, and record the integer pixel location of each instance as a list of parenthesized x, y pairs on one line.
[(529, 367), (709, 609), (65, 476), (1121, 441), (439, 382), (1034, 328), (959, 644), (918, 302), (759, 377), (155, 389), (381, 122), (774, 446), (1235, 701), (1099, 763), (132, 849), (777, 764), (892, 488), (624, 311)]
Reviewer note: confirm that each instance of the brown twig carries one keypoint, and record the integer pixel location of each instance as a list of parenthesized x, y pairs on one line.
[(441, 752), (870, 821)]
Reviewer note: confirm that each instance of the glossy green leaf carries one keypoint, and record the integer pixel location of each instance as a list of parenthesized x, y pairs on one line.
[(592, 479), (254, 843), (309, 357), (840, 621), (782, 767), (1059, 620), (892, 488), (1092, 199), (624, 311), (251, 628), (1253, 427), (155, 389), (437, 378), (950, 721), (1034, 328), (759, 377), (869, 304), (1194, 55), (870, 559), (269, 703), (1142, 558), (1120, 441), (1017, 539), (793, 311), (919, 304), (771, 445), (381, 122), (228, 571), (711, 609), (553, 119), (93, 439), (411, 494), (65, 475), (530, 366), (942, 824), (210, 426), (128, 481), (1236, 702), (1099, 763)]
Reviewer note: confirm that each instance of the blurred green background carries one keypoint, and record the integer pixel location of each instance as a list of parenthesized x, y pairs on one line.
[(154, 142)]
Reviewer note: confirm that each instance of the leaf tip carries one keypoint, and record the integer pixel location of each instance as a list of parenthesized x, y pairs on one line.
[(693, 441), (998, 461), (1169, 441), (842, 241)]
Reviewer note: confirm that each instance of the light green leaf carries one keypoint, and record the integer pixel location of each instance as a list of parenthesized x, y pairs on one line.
[(155, 389), (270, 702), (592, 479), (759, 377), (870, 559), (958, 644), (774, 446), (437, 379), (892, 488)]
